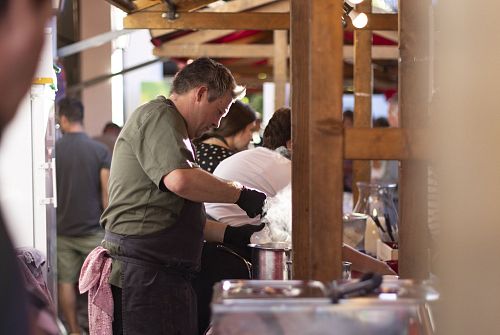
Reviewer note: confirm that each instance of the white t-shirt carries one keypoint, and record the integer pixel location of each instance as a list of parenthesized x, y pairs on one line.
[(258, 168)]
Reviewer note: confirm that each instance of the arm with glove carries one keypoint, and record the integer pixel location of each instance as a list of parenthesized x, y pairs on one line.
[(251, 201)]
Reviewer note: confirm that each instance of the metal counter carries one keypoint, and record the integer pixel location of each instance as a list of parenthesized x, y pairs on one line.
[(295, 307)]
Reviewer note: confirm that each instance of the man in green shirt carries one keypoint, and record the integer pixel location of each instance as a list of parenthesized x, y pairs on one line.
[(155, 222)]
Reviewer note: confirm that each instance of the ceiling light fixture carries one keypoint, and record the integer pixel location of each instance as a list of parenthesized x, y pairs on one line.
[(359, 20)]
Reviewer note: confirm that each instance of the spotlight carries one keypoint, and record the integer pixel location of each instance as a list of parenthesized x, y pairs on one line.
[(359, 20)]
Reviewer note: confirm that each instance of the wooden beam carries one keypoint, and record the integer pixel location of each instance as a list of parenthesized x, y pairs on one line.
[(363, 88), (125, 5), (300, 80), (170, 49), (144, 4), (377, 22), (199, 37), (326, 138), (413, 106), (386, 143), (260, 21), (376, 51), (180, 5), (215, 50), (265, 6), (280, 66), (228, 7), (251, 70)]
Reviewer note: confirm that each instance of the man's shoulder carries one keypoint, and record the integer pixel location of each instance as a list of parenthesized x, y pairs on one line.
[(159, 108)]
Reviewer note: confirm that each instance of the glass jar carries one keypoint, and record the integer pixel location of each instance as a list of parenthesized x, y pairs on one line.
[(377, 201)]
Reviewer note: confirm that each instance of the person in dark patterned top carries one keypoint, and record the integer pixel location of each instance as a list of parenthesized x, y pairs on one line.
[(233, 134)]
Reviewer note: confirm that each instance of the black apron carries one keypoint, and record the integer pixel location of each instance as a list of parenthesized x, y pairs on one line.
[(157, 295)]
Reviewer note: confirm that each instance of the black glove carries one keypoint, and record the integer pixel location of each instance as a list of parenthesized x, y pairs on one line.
[(240, 236), (251, 201)]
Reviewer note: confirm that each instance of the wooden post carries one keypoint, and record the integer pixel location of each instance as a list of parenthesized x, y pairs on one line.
[(326, 137), (280, 68), (301, 230), (318, 248), (363, 87), (413, 106)]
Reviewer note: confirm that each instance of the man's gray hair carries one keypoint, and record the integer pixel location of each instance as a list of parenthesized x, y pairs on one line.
[(207, 72)]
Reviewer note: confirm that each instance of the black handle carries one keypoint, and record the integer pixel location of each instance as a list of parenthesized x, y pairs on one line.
[(367, 284)]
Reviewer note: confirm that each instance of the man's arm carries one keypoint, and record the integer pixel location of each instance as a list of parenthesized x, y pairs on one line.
[(104, 176), (200, 186)]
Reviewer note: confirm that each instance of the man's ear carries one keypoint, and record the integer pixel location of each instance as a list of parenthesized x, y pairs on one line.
[(200, 91)]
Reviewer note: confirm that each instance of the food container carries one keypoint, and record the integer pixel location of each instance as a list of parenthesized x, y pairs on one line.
[(234, 291), (304, 308), (271, 261)]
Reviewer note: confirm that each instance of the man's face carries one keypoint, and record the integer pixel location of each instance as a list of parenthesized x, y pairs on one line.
[(208, 114)]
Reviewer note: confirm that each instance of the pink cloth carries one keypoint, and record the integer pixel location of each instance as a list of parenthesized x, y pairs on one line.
[(94, 278)]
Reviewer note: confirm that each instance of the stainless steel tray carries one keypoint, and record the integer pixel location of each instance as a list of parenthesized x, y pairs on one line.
[(229, 291)]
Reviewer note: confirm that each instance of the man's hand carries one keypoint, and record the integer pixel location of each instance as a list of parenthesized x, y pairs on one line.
[(251, 201), (240, 236)]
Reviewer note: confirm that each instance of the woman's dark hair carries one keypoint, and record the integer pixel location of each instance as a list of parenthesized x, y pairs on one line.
[(207, 72), (279, 129), (239, 116), (71, 108)]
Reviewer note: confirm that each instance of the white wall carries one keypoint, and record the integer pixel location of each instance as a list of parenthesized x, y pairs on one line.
[(139, 50)]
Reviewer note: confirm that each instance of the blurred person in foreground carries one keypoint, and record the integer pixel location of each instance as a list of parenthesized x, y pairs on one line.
[(155, 222), (22, 24), (233, 135)]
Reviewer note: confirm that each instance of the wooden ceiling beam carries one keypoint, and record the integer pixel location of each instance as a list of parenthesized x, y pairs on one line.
[(203, 36), (378, 52), (197, 50), (216, 51), (125, 5), (199, 37), (231, 6), (241, 21)]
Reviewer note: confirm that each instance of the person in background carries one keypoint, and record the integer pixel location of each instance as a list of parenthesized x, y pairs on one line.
[(269, 169), (268, 166), (109, 135), (82, 167), (348, 120), (22, 24), (155, 222), (384, 171), (233, 135)]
